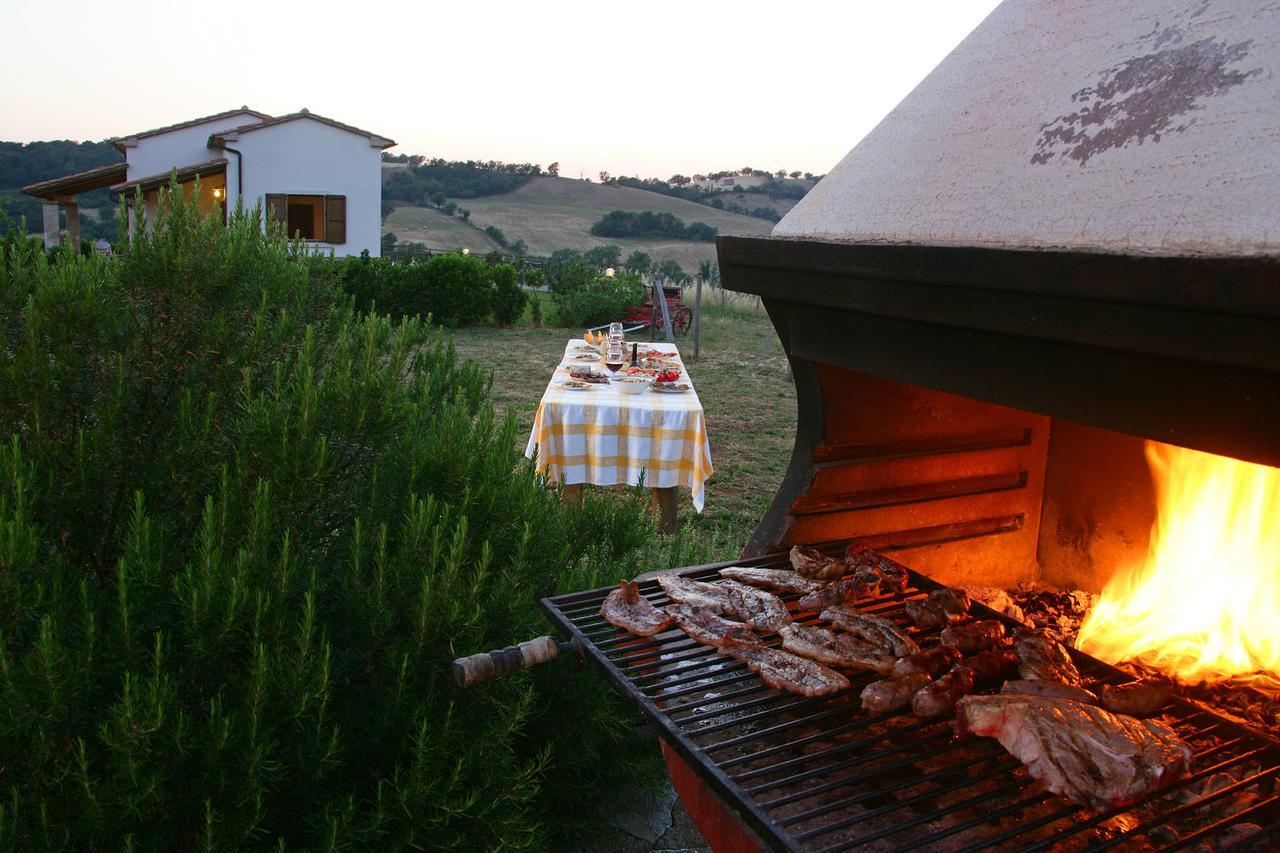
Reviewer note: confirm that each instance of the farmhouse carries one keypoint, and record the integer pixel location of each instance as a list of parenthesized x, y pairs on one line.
[(319, 178)]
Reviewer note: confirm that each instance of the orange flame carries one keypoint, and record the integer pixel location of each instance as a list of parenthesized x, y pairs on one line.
[(1204, 605)]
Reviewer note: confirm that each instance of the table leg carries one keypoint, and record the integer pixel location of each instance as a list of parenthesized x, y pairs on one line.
[(573, 495), (667, 503)]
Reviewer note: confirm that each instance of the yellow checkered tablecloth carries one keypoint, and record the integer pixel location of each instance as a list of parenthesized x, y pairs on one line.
[(604, 437)]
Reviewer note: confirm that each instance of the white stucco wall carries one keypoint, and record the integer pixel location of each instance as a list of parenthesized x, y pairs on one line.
[(308, 157), (154, 155)]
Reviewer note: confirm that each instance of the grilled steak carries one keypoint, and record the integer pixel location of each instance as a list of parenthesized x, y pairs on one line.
[(890, 694), (762, 611), (1048, 690), (933, 662), (785, 671), (695, 593), (1089, 755), (708, 627), (991, 665), (835, 649), (1044, 658), (779, 580), (845, 590), (627, 609), (1137, 698), (874, 629), (940, 698), (974, 636), (893, 578), (940, 609), (812, 563)]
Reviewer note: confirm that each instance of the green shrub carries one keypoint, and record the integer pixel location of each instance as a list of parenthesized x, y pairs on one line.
[(508, 298), (597, 301), (454, 290), (243, 532)]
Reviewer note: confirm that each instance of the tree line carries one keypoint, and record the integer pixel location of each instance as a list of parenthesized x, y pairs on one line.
[(646, 223)]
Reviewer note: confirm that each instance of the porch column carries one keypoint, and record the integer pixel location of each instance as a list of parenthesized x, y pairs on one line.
[(72, 209), (52, 233)]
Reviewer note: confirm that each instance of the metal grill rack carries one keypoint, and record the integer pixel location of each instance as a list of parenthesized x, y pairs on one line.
[(822, 774)]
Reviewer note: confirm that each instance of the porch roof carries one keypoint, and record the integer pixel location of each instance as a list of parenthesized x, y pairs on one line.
[(186, 173), (60, 189)]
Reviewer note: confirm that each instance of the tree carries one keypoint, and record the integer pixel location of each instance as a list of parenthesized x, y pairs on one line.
[(388, 241), (464, 214), (603, 256), (678, 180), (795, 176), (704, 270), (671, 270), (781, 173), (437, 199), (518, 248), (638, 262), (604, 177), (450, 207), (554, 169)]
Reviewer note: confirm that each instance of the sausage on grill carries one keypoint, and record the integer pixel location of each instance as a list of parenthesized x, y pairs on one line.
[(890, 694), (932, 662), (1137, 699)]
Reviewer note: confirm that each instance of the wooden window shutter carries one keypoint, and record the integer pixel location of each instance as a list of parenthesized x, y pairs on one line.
[(278, 210), (335, 219)]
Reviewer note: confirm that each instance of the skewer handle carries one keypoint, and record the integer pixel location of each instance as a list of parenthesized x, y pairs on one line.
[(474, 669)]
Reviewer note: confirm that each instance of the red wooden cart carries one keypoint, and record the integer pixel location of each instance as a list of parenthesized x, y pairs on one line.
[(649, 313)]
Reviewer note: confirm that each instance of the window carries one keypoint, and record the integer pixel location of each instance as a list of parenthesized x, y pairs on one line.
[(311, 217)]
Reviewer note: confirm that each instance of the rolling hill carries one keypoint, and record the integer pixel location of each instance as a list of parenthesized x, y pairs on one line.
[(550, 213)]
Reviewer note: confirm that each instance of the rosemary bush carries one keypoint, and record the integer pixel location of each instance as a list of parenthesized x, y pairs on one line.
[(243, 532)]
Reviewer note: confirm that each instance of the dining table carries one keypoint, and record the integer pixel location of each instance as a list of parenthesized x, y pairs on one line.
[(601, 436)]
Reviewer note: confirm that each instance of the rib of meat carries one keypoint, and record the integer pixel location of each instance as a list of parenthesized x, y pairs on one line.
[(812, 563), (761, 610), (835, 649), (1082, 752), (695, 593), (1137, 698), (890, 694), (1048, 690), (893, 577), (845, 590), (708, 627), (779, 580), (1044, 658), (785, 671), (940, 609), (974, 636), (940, 697), (874, 629), (991, 665), (627, 609), (933, 662)]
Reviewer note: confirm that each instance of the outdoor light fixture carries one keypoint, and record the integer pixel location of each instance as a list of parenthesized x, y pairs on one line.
[(466, 251), (218, 193), (609, 272)]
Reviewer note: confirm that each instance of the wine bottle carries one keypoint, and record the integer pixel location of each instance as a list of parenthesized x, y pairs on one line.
[(635, 359)]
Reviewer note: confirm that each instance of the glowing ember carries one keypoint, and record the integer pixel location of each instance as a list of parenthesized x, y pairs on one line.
[(1205, 603)]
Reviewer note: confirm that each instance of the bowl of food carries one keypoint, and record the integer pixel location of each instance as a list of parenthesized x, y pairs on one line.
[(627, 384)]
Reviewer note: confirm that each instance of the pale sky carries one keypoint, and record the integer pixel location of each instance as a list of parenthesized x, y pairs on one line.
[(639, 88)]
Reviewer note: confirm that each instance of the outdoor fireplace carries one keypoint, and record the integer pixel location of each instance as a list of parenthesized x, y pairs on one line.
[(1061, 247)]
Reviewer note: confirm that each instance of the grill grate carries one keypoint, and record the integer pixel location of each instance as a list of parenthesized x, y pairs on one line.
[(822, 774)]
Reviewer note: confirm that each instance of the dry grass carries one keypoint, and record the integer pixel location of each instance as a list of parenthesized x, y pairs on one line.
[(742, 377), (437, 230)]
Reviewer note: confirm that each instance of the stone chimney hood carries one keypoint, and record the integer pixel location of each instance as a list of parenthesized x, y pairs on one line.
[(1144, 127)]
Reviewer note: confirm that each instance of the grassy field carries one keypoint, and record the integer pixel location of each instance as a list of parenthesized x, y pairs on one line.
[(437, 230), (742, 377), (557, 213)]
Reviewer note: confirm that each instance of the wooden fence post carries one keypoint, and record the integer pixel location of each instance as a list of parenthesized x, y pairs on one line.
[(697, 321)]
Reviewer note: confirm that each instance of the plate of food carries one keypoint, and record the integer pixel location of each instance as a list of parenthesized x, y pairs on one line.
[(574, 385), (670, 387), (586, 357), (659, 363), (586, 374)]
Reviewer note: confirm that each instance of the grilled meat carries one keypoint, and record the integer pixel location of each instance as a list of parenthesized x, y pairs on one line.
[(874, 629), (812, 563), (785, 671), (890, 694), (974, 636), (1137, 698), (1048, 690), (762, 611), (845, 590), (708, 627), (1096, 758), (940, 698), (778, 580), (933, 662), (695, 593), (940, 609), (893, 577), (835, 649), (1043, 657), (992, 665), (627, 609)]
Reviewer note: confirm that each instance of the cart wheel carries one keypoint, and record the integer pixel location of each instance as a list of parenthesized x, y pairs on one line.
[(682, 320)]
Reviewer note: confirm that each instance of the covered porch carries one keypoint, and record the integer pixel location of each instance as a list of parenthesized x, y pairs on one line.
[(59, 196)]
